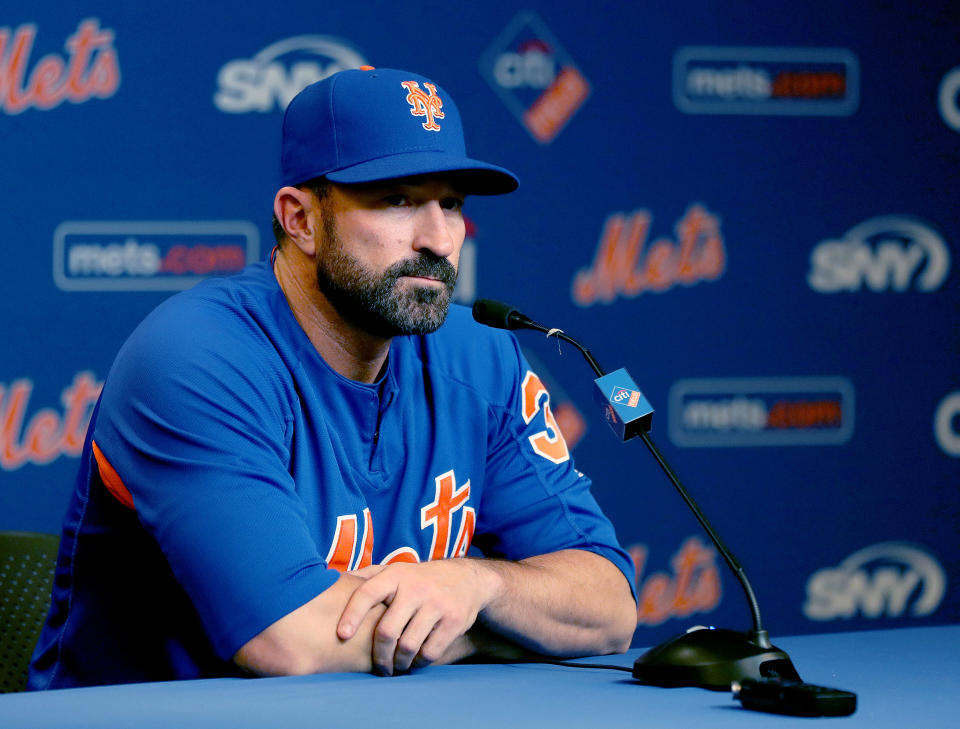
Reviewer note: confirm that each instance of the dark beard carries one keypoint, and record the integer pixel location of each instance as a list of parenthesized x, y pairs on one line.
[(374, 302)]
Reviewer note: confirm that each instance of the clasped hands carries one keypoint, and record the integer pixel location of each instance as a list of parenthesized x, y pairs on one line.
[(429, 608)]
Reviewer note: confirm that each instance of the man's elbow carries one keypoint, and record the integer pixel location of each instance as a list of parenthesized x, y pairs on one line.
[(622, 626), (262, 656)]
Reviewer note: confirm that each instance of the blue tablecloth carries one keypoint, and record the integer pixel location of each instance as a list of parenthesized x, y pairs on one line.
[(907, 678)]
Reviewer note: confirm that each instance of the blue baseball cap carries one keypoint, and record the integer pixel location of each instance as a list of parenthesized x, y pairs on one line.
[(369, 124)]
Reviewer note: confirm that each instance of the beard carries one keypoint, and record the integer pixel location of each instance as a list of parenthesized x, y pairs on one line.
[(374, 301)]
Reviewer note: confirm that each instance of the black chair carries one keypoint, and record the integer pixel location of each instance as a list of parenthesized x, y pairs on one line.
[(27, 563)]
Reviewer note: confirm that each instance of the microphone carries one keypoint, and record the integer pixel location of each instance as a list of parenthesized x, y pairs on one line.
[(498, 315), (707, 657)]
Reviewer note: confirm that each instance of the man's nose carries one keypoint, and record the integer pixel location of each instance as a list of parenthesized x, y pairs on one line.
[(435, 231)]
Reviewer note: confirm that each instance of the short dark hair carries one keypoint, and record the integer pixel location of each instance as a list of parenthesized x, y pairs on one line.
[(319, 186)]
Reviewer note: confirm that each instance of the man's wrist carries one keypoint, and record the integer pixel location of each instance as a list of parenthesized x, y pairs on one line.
[(492, 576)]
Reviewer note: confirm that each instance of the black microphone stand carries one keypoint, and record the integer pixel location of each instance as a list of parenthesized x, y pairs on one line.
[(710, 658)]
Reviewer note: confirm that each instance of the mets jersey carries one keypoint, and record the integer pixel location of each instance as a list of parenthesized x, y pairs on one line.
[(230, 474)]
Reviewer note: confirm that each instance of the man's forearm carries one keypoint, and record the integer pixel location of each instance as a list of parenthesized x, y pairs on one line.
[(562, 604), (305, 641), (566, 603)]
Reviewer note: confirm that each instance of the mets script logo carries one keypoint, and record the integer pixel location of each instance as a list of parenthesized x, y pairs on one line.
[(423, 104), (91, 70), (880, 580), (692, 586), (48, 433), (624, 265)]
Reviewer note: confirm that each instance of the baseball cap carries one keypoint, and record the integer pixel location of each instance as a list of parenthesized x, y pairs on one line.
[(368, 124)]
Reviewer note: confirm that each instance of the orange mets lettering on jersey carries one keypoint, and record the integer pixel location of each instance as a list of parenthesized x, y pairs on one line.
[(440, 511), (348, 552), (341, 554), (547, 443), (423, 104)]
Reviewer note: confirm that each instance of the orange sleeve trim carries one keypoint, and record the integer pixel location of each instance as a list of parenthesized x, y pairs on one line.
[(111, 479)]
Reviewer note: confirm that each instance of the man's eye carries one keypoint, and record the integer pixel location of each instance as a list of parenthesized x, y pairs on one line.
[(397, 199), (452, 203)]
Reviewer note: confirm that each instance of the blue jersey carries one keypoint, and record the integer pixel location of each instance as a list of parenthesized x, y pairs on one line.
[(230, 474)]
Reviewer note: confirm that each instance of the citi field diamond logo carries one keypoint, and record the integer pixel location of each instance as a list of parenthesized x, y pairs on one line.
[(625, 396), (535, 77)]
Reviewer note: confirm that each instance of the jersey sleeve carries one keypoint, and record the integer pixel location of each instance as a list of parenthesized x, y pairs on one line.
[(535, 501), (194, 430)]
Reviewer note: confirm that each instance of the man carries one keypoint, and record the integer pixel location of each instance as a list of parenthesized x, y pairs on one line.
[(287, 468)]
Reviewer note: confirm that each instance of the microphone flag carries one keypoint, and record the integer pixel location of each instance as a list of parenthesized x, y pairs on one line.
[(625, 408)]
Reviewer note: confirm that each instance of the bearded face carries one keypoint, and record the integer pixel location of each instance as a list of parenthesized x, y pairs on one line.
[(380, 302)]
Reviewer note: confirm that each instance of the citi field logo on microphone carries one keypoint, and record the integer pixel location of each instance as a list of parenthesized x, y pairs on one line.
[(625, 396)]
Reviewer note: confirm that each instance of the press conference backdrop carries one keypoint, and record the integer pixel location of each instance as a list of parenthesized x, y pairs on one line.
[(752, 206)]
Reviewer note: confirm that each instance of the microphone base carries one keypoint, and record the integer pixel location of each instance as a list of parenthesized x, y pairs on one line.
[(711, 658)]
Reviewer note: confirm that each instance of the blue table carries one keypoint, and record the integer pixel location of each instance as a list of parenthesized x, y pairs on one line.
[(907, 678)]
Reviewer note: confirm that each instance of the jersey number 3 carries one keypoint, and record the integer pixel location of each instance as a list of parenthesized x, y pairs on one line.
[(548, 443)]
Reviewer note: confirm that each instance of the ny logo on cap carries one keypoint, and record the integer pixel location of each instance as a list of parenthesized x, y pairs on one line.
[(423, 104)]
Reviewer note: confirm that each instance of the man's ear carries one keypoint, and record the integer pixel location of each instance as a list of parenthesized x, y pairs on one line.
[(298, 213)]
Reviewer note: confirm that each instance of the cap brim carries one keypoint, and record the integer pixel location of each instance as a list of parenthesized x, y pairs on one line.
[(473, 176)]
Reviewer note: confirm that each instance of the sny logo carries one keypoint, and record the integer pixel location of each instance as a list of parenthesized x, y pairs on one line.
[(879, 580), (889, 253), (422, 104), (280, 71)]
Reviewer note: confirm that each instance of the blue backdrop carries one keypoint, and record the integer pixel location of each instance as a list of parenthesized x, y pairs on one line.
[(751, 206)]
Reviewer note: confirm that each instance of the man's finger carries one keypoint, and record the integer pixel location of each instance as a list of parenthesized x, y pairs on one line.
[(372, 592), (369, 571), (409, 645)]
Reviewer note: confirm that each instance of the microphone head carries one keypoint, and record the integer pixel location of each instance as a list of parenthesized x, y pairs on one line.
[(495, 314)]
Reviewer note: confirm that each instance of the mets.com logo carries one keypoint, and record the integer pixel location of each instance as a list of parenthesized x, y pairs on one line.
[(770, 411), (165, 255), (882, 580), (274, 75), (758, 80)]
